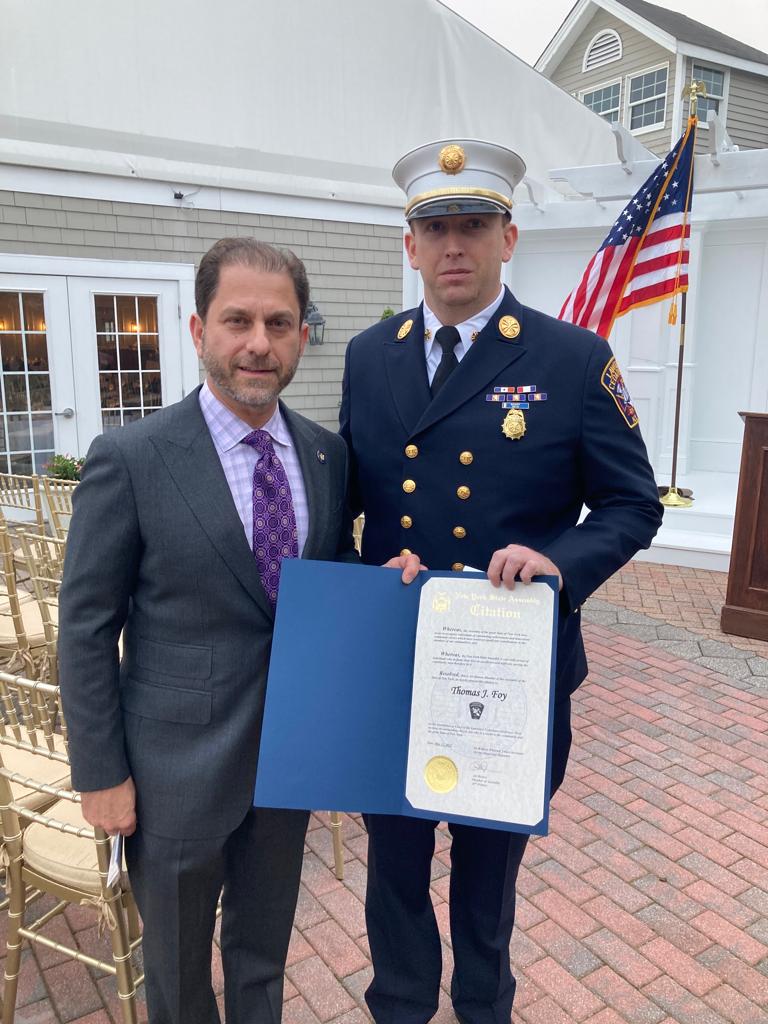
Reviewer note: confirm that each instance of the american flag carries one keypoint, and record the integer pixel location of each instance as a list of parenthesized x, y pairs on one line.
[(645, 256)]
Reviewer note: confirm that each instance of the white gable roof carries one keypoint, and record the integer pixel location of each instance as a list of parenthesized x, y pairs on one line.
[(302, 97)]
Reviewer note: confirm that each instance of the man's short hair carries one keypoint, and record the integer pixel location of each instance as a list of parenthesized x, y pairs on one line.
[(248, 252)]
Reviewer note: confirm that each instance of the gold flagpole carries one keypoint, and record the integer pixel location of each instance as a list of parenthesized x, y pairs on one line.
[(674, 496)]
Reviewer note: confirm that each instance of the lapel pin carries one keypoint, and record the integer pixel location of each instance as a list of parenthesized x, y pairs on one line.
[(320, 456), (405, 330), (509, 326)]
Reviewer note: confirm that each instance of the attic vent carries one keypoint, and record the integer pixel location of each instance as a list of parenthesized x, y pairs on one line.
[(604, 49)]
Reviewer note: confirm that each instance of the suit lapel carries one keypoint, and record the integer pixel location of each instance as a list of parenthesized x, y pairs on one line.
[(406, 368), (491, 353), (193, 463), (317, 479)]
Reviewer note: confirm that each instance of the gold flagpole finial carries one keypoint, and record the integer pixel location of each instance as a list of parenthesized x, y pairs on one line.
[(693, 91)]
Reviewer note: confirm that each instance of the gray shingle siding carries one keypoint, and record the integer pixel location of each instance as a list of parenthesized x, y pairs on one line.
[(355, 270)]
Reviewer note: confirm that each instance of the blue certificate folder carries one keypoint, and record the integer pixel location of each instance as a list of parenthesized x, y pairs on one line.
[(338, 705)]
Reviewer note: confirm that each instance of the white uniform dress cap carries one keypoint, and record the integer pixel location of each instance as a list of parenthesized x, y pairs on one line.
[(458, 176)]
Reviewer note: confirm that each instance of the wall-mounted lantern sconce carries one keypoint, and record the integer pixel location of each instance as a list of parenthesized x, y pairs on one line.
[(316, 323)]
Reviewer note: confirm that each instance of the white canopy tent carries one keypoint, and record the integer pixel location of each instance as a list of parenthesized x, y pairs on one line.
[(302, 98)]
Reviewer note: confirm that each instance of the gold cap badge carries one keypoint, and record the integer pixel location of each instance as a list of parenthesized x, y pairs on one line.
[(405, 330), (513, 426), (452, 159), (509, 326)]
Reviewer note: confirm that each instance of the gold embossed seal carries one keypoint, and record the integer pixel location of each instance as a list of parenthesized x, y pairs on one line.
[(441, 774), (405, 330), (509, 326), (452, 159), (513, 426)]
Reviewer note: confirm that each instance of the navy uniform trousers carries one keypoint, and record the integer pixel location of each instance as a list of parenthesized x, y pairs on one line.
[(454, 479)]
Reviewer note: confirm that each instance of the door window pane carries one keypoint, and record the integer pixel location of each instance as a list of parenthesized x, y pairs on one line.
[(22, 464), (18, 433), (128, 346), (26, 418), (107, 349), (10, 312), (12, 347), (37, 352), (34, 312), (15, 392), (129, 351), (39, 392)]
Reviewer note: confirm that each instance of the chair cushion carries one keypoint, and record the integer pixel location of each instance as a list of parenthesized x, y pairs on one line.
[(39, 768), (67, 859), (33, 624)]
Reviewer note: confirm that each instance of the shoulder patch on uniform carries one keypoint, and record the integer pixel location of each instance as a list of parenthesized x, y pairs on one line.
[(613, 383)]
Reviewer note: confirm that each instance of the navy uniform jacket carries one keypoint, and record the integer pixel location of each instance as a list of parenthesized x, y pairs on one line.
[(441, 478)]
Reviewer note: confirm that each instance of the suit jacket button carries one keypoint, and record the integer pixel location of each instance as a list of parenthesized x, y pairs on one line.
[(457, 566), (459, 532), (463, 492), (466, 458), (406, 551), (409, 486), (406, 522), (411, 451)]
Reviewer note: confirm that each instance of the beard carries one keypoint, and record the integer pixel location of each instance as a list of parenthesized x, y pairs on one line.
[(253, 393)]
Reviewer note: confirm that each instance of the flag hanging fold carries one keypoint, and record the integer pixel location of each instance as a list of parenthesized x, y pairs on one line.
[(645, 257)]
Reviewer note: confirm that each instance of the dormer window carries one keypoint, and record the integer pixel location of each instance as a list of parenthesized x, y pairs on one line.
[(604, 49)]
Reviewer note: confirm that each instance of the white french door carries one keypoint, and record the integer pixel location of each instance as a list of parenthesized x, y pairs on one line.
[(37, 390), (81, 353), (126, 350)]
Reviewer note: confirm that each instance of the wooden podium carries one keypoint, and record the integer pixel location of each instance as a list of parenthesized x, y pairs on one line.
[(745, 611)]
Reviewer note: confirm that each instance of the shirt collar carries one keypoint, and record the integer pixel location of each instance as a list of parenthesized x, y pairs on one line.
[(468, 330), (228, 430)]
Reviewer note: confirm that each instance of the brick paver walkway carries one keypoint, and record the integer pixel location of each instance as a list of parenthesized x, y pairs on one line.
[(648, 901)]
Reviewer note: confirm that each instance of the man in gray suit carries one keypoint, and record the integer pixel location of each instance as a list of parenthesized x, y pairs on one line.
[(179, 526)]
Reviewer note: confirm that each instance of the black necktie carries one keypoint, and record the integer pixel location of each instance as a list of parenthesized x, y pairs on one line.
[(447, 338)]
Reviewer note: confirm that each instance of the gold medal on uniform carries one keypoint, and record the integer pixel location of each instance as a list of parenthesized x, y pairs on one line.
[(513, 426)]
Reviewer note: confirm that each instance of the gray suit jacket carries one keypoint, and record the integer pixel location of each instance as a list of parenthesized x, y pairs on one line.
[(156, 547)]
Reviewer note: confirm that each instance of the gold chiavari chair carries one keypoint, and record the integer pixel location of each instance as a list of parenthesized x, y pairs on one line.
[(44, 561), (17, 715), (21, 504), (57, 853), (23, 495), (58, 498), (22, 633)]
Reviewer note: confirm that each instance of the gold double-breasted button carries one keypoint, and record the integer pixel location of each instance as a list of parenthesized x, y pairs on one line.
[(406, 551), (409, 486), (406, 522), (411, 451), (466, 458), (463, 492), (459, 532), (457, 566)]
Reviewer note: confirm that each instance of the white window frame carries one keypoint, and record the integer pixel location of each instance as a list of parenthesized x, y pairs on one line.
[(659, 125), (596, 88), (593, 40), (723, 108)]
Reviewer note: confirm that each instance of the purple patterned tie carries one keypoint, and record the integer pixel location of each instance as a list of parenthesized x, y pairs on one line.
[(274, 523)]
